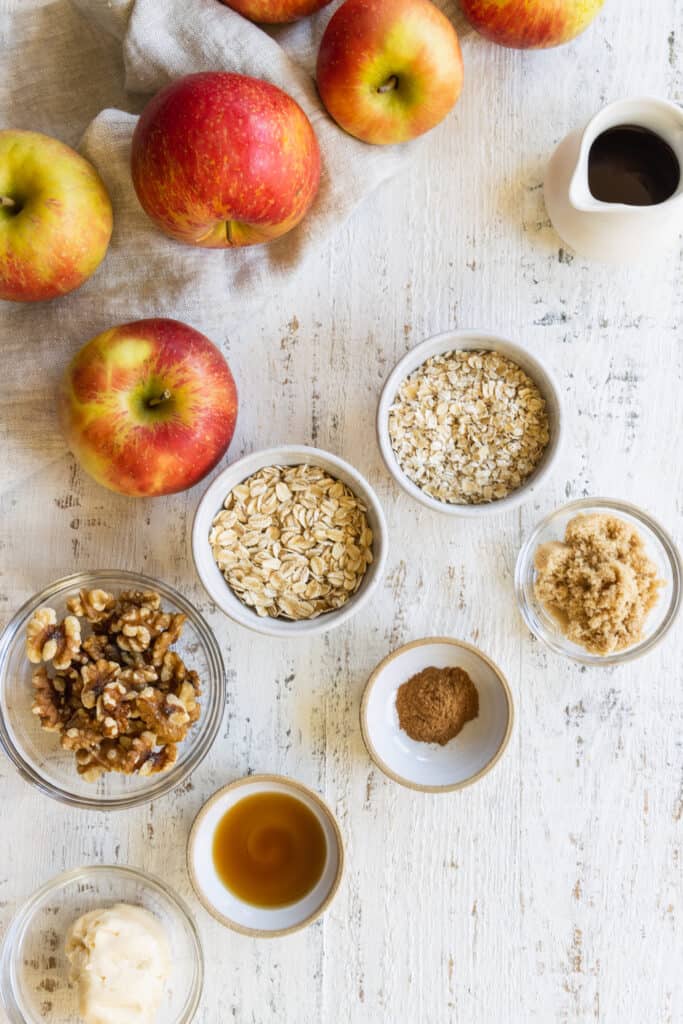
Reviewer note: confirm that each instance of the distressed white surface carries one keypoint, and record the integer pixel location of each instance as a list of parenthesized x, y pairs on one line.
[(551, 890)]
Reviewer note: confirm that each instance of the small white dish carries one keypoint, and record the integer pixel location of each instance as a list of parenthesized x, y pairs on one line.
[(212, 502), (429, 767), (221, 903), (452, 341)]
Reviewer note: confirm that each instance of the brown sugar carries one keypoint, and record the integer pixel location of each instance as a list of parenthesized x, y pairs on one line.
[(434, 705), (599, 584)]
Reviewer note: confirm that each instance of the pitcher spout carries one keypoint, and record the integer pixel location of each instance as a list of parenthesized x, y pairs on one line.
[(580, 196)]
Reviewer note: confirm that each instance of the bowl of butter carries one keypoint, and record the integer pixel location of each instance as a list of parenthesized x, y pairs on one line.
[(102, 943)]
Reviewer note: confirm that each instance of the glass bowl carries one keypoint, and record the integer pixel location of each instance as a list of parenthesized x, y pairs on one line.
[(37, 754), (34, 978), (659, 547)]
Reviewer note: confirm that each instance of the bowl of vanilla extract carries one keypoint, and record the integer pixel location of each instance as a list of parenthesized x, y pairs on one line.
[(265, 856)]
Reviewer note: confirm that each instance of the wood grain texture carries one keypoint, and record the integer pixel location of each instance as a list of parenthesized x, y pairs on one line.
[(550, 891)]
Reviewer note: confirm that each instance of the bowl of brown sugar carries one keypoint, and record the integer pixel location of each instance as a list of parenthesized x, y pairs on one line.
[(599, 581), (436, 715)]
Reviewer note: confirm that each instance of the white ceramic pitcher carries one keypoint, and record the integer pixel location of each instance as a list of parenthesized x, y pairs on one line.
[(614, 232)]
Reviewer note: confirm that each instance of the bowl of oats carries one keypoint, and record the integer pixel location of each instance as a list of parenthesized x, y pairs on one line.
[(470, 423), (112, 689), (290, 541)]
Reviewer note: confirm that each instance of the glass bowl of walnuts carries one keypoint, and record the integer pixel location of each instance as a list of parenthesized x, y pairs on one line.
[(112, 689)]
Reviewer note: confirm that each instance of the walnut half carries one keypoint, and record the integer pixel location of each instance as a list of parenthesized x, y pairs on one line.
[(93, 605), (164, 714), (46, 701), (50, 640), (96, 677), (126, 756)]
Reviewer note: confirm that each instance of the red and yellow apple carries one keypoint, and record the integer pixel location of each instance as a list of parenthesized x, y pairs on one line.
[(149, 407), (55, 217), (222, 160), (389, 70), (531, 24), (273, 12)]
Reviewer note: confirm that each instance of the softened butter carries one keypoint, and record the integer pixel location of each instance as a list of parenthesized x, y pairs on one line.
[(120, 960)]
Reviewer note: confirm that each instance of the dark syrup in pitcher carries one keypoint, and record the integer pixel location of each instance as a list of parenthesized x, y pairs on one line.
[(632, 165)]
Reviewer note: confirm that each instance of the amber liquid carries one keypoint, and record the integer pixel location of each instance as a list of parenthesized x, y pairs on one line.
[(632, 165), (269, 849)]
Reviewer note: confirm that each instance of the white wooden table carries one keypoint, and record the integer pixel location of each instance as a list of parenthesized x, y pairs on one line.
[(551, 890)]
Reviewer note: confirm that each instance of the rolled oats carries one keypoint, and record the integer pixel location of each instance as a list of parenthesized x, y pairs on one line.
[(468, 427), (292, 542)]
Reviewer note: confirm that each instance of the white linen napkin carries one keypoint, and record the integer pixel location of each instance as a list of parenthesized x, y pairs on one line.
[(162, 41), (64, 67)]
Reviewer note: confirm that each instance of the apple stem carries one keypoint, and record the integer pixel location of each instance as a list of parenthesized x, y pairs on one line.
[(164, 397), (6, 201), (390, 84)]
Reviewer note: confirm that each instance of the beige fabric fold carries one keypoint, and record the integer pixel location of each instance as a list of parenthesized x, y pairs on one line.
[(161, 42)]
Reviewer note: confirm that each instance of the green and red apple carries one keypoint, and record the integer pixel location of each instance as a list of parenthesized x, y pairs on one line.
[(274, 12), (148, 407), (55, 217), (222, 160), (531, 24), (389, 70)]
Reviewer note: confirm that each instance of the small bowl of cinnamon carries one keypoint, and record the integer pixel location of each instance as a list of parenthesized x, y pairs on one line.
[(436, 715)]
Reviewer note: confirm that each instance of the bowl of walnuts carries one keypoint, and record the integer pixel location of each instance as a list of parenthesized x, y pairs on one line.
[(112, 688)]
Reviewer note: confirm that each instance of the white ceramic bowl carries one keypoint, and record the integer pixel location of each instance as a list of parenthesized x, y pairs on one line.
[(472, 340), (212, 502), (227, 908), (35, 969), (427, 766)]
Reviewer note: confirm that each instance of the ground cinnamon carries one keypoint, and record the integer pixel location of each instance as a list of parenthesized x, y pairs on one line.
[(434, 705)]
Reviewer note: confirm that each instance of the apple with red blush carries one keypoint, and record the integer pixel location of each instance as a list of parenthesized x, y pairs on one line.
[(221, 160), (531, 24), (55, 217), (148, 407), (275, 12), (389, 70)]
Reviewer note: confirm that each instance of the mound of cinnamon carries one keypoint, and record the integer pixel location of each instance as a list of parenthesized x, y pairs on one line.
[(434, 705)]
